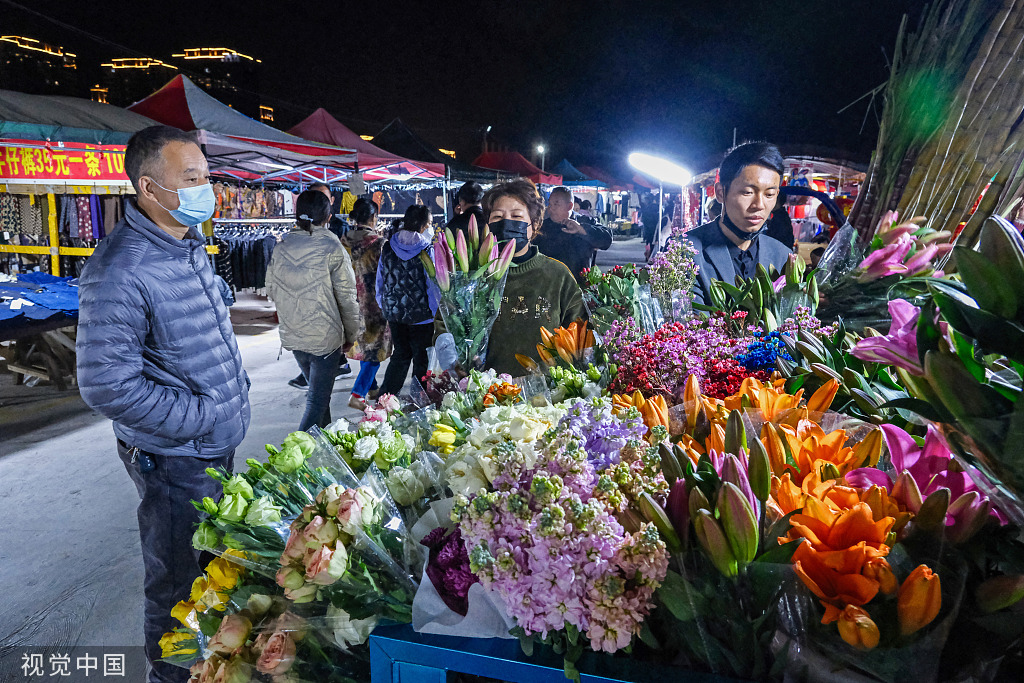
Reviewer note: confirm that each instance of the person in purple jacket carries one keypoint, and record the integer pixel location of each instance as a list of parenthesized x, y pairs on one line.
[(407, 298), (157, 355)]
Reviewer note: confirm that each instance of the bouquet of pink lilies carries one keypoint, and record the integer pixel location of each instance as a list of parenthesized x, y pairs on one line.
[(470, 273)]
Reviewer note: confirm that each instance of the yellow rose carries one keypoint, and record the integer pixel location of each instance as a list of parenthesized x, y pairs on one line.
[(443, 438), (223, 572), (177, 643), (185, 612), (207, 595)]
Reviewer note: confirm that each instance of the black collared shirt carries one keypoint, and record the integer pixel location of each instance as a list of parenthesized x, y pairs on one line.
[(745, 262)]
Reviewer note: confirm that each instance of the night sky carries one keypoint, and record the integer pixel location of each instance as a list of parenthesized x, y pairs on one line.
[(591, 80)]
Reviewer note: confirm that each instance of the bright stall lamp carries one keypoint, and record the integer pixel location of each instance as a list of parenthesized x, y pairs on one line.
[(663, 170)]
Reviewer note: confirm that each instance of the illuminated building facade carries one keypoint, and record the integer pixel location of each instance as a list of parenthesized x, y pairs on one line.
[(32, 66), (128, 80), (226, 74)]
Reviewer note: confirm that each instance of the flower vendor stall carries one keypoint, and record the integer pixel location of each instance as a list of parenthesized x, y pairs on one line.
[(816, 476), (739, 495)]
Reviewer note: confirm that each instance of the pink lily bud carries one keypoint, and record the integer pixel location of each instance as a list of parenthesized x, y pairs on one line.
[(713, 540), (921, 260), (505, 259), (461, 252), (937, 236), (969, 512), (485, 248), (446, 255), (474, 233), (492, 259), (906, 491), (441, 277), (738, 522), (678, 507), (891, 236)]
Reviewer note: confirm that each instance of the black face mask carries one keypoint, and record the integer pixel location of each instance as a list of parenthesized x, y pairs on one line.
[(742, 235), (506, 229)]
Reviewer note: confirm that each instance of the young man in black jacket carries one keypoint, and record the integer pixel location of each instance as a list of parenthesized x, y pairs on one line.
[(567, 240), (735, 244)]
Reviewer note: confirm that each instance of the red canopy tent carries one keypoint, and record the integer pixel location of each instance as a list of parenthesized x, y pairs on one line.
[(374, 162), (514, 162), (239, 146)]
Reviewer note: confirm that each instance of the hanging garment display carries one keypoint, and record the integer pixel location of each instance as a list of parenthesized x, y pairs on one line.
[(31, 216), (10, 213), (395, 201), (248, 248)]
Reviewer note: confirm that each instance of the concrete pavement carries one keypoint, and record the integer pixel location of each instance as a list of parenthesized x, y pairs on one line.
[(70, 559)]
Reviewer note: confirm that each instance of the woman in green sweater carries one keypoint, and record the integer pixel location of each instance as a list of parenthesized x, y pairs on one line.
[(539, 292)]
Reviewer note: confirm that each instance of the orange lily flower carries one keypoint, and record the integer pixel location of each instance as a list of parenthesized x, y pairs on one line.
[(827, 529), (858, 629), (919, 600), (809, 447), (835, 577), (770, 400), (567, 343), (653, 410)]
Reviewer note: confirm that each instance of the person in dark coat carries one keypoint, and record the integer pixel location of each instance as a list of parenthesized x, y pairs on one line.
[(407, 297), (736, 243), (157, 356), (469, 197), (780, 226), (652, 231), (574, 243)]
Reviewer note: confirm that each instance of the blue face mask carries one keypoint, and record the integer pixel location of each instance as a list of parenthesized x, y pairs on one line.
[(195, 204)]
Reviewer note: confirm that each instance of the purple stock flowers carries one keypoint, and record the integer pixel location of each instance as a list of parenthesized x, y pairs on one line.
[(553, 550)]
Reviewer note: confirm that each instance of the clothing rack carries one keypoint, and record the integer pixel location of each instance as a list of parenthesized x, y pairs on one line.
[(252, 221)]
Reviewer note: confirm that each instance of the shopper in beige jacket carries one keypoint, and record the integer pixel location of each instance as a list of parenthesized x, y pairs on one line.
[(311, 282)]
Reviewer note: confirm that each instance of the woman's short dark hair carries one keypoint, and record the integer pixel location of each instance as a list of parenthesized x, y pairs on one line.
[(749, 154), (416, 216), (144, 149), (312, 208), (586, 205), (524, 191), (471, 193), (363, 211)]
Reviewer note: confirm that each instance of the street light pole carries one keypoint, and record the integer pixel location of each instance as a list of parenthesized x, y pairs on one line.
[(541, 150)]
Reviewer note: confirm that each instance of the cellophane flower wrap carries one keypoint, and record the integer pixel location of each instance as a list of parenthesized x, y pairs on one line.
[(470, 274)]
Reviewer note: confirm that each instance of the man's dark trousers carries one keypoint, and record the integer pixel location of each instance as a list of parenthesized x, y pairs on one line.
[(167, 520)]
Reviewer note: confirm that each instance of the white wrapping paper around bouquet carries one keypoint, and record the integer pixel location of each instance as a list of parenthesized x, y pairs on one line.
[(485, 618)]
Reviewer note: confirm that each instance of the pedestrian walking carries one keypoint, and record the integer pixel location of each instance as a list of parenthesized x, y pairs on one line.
[(374, 346), (407, 297), (311, 282)]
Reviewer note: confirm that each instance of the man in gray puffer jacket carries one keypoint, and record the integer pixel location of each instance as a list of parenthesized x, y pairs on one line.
[(157, 355)]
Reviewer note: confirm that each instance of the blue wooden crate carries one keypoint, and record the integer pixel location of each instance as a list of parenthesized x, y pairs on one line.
[(400, 655)]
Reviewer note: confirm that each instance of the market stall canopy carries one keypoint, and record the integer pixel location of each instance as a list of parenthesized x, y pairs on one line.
[(66, 119), (399, 139), (827, 167), (516, 164), (605, 177), (374, 162), (239, 146), (573, 177)]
